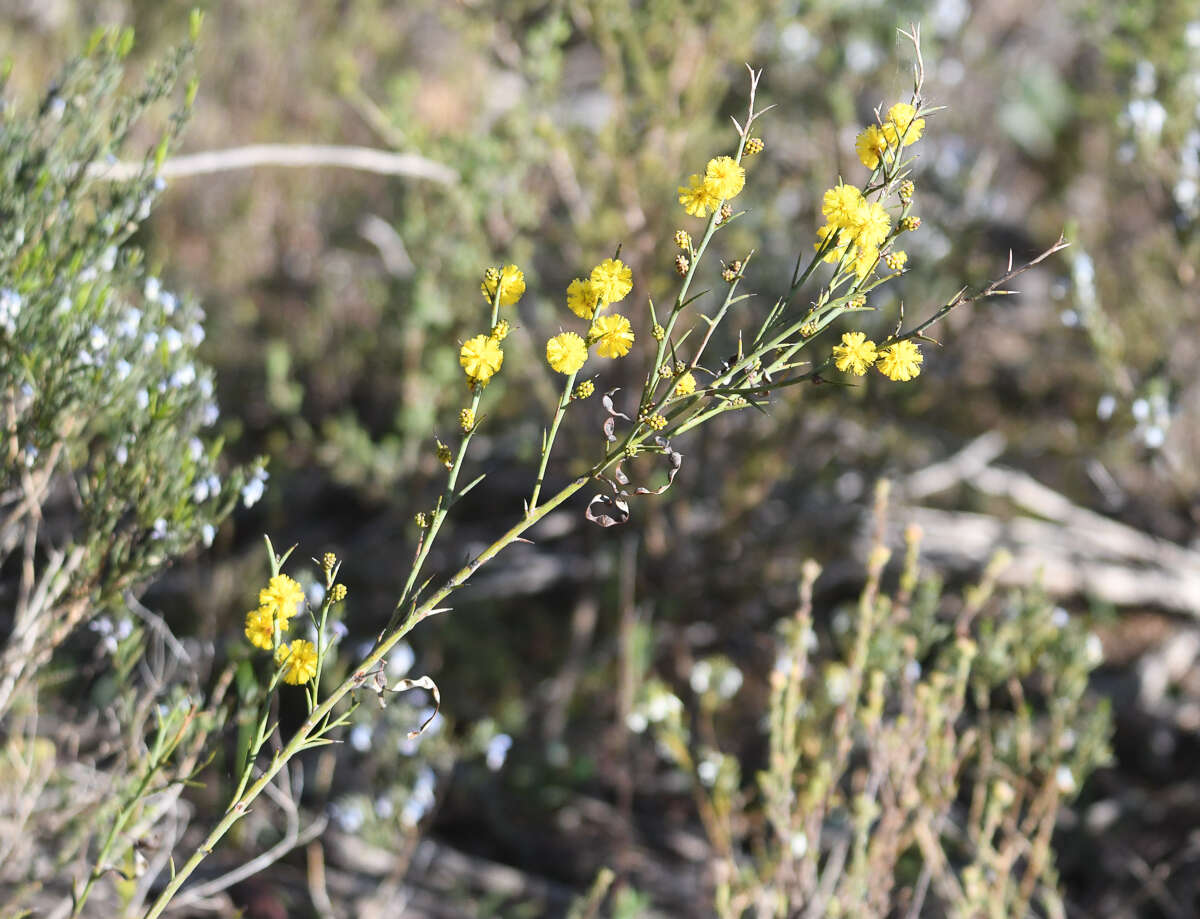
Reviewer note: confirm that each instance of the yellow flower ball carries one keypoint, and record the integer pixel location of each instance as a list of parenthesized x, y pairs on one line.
[(260, 628), (281, 597), (512, 285), (611, 280), (870, 145), (299, 661), (724, 178), (613, 336), (855, 354), (566, 353), (901, 362), (865, 260), (843, 206), (696, 197), (873, 226), (481, 358), (906, 127), (581, 300), (685, 385)]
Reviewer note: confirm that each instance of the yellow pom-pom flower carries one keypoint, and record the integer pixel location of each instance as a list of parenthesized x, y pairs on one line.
[(873, 226), (481, 358), (613, 336), (566, 353), (870, 145), (905, 127), (581, 300), (855, 354), (901, 361), (260, 628), (281, 597), (611, 280), (298, 660), (839, 249), (843, 206), (865, 260), (685, 385), (696, 197), (724, 178), (512, 285)]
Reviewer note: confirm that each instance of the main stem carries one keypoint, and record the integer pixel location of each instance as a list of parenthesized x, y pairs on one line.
[(305, 733)]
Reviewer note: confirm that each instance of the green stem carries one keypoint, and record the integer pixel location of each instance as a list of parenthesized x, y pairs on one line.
[(308, 729), (549, 444), (443, 506), (163, 748)]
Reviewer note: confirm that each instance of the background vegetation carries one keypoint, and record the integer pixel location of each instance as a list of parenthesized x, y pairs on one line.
[(1058, 424)]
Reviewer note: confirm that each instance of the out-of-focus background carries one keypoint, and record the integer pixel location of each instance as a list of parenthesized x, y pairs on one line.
[(1062, 422)]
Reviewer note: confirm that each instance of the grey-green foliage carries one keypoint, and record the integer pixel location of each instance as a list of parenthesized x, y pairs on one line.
[(109, 468), (922, 758)]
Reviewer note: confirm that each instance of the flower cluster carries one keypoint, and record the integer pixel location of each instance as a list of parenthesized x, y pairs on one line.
[(611, 334), (723, 179), (278, 602), (855, 228), (900, 361), (858, 235), (878, 142), (481, 356)]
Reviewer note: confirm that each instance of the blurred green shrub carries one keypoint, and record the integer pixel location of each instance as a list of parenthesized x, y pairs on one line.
[(917, 759), (109, 470)]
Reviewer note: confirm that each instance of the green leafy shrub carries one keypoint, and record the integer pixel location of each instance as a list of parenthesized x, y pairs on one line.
[(110, 468), (918, 754)]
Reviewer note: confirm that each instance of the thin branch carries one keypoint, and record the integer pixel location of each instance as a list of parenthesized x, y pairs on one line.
[(292, 839), (366, 159), (993, 289)]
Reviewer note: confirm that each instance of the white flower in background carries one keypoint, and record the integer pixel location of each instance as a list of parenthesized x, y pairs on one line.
[(701, 677), (10, 309), (799, 844), (729, 683), (400, 661), (1065, 780), (253, 490), (497, 751), (360, 737)]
